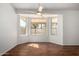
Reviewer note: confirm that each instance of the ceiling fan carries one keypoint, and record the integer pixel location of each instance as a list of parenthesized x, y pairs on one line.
[(37, 12)]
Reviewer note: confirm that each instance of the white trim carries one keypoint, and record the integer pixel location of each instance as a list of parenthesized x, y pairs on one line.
[(1, 53), (57, 43), (44, 15), (71, 44)]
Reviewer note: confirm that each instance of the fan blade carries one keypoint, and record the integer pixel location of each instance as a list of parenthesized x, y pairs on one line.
[(30, 12)]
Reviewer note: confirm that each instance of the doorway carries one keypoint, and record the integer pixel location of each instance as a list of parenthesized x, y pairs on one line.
[(39, 30)]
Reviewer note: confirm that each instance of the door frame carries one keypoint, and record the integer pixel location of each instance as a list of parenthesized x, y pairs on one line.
[(38, 38)]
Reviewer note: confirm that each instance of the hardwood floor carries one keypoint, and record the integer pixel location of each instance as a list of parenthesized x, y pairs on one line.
[(43, 49)]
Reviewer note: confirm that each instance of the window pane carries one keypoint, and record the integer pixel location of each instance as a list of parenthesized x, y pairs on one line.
[(43, 26), (22, 25), (54, 26), (38, 26)]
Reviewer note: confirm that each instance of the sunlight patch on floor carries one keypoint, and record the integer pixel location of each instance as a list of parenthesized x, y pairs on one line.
[(34, 45)]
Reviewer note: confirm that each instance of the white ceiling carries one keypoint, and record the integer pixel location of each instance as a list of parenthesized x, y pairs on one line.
[(47, 6)]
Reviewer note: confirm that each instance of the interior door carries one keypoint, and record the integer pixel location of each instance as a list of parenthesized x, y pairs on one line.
[(39, 30)]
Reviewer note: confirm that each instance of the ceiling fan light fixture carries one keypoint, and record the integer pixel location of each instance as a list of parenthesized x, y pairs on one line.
[(39, 14)]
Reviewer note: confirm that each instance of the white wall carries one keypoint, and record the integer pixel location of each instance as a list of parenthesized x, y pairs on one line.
[(71, 28), (22, 39), (8, 28)]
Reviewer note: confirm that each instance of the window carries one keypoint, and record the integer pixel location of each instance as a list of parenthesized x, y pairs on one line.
[(23, 25), (38, 26), (54, 25)]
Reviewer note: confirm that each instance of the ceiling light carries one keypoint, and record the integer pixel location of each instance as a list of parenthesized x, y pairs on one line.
[(39, 14)]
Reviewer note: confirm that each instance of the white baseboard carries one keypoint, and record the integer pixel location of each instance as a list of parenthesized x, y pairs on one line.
[(71, 44), (56, 43), (1, 53)]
